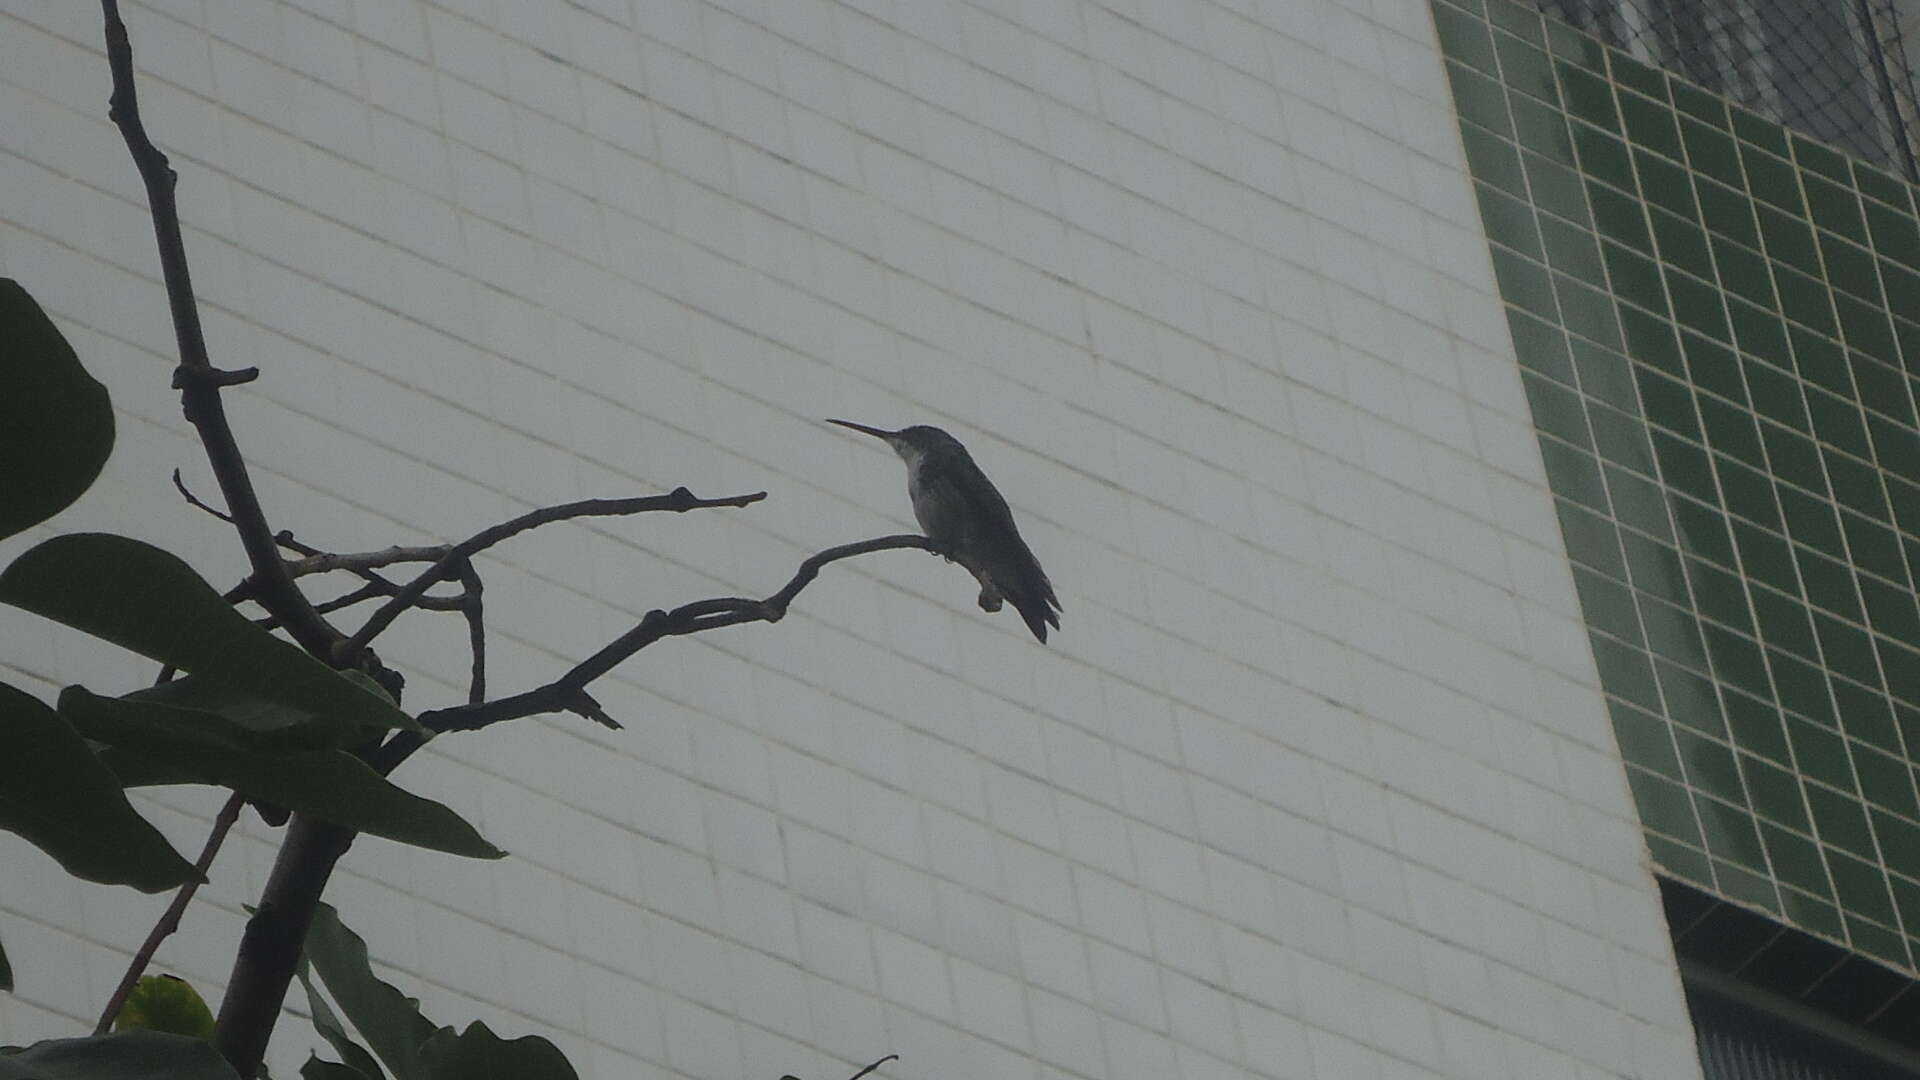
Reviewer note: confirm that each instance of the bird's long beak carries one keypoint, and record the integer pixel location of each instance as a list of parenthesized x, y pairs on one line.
[(875, 432)]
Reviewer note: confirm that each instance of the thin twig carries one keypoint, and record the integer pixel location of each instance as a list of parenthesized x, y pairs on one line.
[(198, 380), (679, 500), (568, 693), (323, 562), (170, 919), (476, 630), (875, 1065)]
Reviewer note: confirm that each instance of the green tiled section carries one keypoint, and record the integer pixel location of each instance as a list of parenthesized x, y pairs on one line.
[(1719, 324)]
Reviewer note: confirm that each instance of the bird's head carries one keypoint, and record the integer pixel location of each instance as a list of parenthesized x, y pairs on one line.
[(911, 443)]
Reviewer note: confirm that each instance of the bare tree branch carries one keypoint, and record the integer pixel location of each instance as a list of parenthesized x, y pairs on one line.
[(197, 379), (323, 562), (679, 500), (476, 630), (170, 919), (863, 1072), (568, 693)]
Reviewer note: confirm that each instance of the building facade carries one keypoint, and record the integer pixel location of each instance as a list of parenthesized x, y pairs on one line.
[(1474, 464)]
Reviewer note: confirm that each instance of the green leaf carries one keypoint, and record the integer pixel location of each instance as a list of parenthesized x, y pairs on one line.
[(165, 1003), (389, 1020), (147, 600), (315, 1069), (56, 424), (478, 1054), (283, 725), (356, 1057), (54, 792), (159, 743), (124, 1055)]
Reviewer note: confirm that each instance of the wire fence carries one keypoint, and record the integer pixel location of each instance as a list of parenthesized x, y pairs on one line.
[(1836, 70)]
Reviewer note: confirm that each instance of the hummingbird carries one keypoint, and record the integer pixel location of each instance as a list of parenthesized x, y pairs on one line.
[(960, 510)]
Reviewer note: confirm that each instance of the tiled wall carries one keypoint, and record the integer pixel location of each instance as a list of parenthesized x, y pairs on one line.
[(1202, 286), (1714, 317)]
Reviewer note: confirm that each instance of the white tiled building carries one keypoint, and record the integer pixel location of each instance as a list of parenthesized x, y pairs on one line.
[(1315, 781)]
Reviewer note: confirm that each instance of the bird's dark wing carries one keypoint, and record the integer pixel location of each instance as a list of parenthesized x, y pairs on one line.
[(1019, 575)]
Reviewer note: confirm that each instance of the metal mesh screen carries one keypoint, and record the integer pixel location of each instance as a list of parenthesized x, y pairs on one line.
[(1834, 69)]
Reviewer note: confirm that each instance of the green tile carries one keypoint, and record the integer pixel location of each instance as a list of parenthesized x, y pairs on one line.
[(1668, 403), (1526, 284), (1804, 299), (1516, 18), (1838, 421), (1821, 361), (1651, 340), (1682, 243), (1882, 186), (1575, 47), (1606, 376), (1828, 583), (1785, 623), (1887, 782), (1907, 334), (1737, 660), (1608, 606), (1691, 699), (1866, 714), (1556, 188), (1632, 73), (1665, 184), (1636, 278), (1556, 409), (1850, 267), (1877, 940), (1639, 503), (1802, 690), (1796, 859), (1891, 610), (1718, 593), (1883, 389), (1766, 558), (1760, 131), (1645, 740), (1874, 546), (1811, 914), (1897, 448), (1494, 160), (1623, 218), (1776, 395), (1700, 105), (1848, 650), (1856, 485), (1621, 439), (1748, 493), (1540, 345), (1542, 129), (1479, 99), (1900, 840), (1748, 885), (1680, 862), (1820, 752), (1730, 832), (1861, 886), (1894, 234), (1730, 430), (1465, 38), (1591, 539), (1508, 221), (1697, 305), (1587, 311), (1903, 286), (1811, 155), (1713, 367), (1656, 568), (1906, 897), (1526, 68), (1727, 212), (1865, 327), (1905, 497), (1673, 633), (1573, 251), (1810, 520), (1650, 124), (1625, 673), (1772, 179), (1744, 272), (1604, 157), (1834, 207), (1588, 97), (1759, 332), (1903, 677), (1755, 725), (1574, 475), (1788, 239), (1841, 821), (1795, 458), (1712, 152)]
